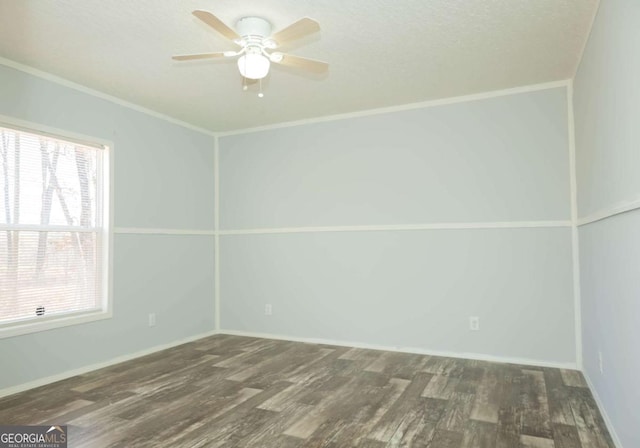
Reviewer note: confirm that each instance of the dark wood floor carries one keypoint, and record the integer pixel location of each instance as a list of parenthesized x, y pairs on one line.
[(230, 391)]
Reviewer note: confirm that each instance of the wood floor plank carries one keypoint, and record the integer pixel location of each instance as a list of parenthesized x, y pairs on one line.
[(230, 391), (350, 403), (390, 393), (487, 400), (536, 420), (558, 398), (589, 423), (42, 409), (238, 430), (510, 413), (447, 439), (573, 378), (535, 442), (247, 358), (470, 378), (317, 368), (370, 443), (438, 365), (478, 434), (362, 412), (386, 427), (273, 430), (405, 365), (381, 362), (416, 429), (440, 386), (223, 422), (566, 436), (321, 410), (457, 412), (103, 436), (351, 423)]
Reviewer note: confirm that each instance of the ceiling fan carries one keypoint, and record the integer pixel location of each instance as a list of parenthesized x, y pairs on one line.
[(253, 36)]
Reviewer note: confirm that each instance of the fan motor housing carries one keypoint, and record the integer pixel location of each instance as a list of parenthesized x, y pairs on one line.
[(253, 26)]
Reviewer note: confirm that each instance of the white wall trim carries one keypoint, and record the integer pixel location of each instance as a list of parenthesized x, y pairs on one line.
[(110, 220), (603, 411), (29, 326), (84, 89), (575, 240), (216, 211), (616, 209), (55, 133), (149, 231), (402, 227), (363, 228), (403, 107), (414, 350), (100, 365)]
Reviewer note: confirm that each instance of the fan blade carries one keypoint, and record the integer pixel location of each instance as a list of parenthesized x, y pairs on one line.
[(298, 62), (190, 57), (216, 24), (296, 30)]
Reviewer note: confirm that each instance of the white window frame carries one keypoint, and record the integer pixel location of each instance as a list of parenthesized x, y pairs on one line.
[(105, 208)]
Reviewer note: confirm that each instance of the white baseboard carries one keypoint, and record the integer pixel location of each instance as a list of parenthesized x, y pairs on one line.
[(603, 411), (89, 368), (418, 351)]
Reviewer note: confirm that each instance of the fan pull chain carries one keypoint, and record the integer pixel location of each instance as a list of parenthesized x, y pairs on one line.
[(260, 94)]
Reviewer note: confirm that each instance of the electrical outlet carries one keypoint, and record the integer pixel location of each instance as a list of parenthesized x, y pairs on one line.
[(268, 309), (474, 323), (152, 319), (600, 363)]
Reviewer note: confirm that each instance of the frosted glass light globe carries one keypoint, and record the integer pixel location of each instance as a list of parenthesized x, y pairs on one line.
[(254, 65)]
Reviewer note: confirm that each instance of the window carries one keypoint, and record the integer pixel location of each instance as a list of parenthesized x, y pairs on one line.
[(54, 233)]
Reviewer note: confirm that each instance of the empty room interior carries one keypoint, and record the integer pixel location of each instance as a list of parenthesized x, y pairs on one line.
[(296, 223)]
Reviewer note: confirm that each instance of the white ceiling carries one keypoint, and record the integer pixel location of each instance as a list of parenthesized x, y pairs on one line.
[(381, 52)]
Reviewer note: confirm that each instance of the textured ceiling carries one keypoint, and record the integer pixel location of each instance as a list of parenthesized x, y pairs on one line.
[(381, 52)]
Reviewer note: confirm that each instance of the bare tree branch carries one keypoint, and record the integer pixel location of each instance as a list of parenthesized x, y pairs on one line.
[(47, 198), (15, 247)]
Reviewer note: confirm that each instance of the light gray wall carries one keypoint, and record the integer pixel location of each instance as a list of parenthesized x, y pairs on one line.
[(163, 179), (412, 289), (500, 159), (607, 107), (610, 269)]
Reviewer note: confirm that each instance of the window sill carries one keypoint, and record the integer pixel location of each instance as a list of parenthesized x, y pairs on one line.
[(37, 325)]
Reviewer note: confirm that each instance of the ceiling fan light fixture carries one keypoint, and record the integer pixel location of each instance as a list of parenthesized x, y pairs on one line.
[(256, 41), (254, 65)]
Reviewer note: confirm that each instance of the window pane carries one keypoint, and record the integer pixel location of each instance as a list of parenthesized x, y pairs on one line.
[(47, 272), (46, 181)]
